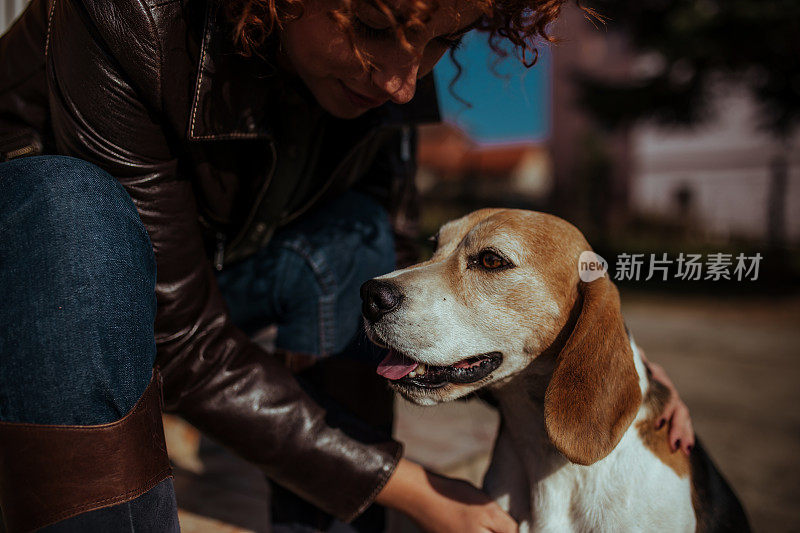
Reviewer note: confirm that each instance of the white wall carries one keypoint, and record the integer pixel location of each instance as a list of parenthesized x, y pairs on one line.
[(725, 164)]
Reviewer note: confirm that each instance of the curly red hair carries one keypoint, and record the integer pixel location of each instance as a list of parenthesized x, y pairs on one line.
[(524, 23)]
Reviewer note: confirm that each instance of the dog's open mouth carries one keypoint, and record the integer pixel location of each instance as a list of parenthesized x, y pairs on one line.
[(403, 370)]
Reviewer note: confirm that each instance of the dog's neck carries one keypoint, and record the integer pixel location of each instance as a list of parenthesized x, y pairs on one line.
[(521, 403), (534, 380)]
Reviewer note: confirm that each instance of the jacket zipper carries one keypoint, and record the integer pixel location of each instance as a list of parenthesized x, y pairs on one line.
[(220, 238), (219, 253), (369, 137), (28, 149), (19, 152), (256, 205)]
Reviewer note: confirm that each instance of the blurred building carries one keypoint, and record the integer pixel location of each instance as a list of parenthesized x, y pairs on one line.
[(591, 168), (725, 176), (720, 174), (453, 167)]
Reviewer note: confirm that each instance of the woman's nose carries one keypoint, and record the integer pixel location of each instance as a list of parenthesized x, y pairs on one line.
[(398, 79)]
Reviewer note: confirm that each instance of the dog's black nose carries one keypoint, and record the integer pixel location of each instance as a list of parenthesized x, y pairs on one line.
[(379, 298)]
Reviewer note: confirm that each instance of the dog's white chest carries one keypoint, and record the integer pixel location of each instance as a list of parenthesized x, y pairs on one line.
[(629, 490)]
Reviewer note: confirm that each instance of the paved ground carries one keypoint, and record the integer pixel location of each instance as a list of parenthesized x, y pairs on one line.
[(735, 361), (737, 365)]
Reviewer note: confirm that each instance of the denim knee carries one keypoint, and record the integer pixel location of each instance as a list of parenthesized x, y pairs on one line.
[(78, 292), (324, 261)]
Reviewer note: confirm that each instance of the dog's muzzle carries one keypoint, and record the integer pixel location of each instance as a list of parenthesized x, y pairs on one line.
[(379, 298)]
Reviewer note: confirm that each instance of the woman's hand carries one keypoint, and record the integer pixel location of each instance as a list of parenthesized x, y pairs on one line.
[(676, 414), (442, 505)]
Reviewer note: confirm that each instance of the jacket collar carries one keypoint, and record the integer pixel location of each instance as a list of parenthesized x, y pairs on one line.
[(235, 97)]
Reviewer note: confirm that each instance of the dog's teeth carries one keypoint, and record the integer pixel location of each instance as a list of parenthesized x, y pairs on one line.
[(412, 374), (420, 371)]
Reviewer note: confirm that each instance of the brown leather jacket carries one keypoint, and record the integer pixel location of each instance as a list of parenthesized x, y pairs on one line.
[(150, 91)]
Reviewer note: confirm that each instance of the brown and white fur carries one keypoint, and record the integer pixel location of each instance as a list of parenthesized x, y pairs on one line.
[(578, 449)]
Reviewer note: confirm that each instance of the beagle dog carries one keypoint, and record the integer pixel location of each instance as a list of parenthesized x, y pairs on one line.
[(501, 307)]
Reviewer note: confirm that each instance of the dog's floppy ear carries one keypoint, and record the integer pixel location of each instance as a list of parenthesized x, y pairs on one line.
[(594, 393)]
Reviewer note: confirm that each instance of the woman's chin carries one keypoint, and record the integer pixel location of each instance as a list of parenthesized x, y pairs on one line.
[(332, 99)]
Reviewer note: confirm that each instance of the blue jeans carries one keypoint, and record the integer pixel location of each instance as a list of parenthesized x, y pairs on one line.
[(77, 283), (306, 281), (77, 279)]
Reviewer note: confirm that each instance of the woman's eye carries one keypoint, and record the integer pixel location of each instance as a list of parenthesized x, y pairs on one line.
[(491, 261), (371, 32)]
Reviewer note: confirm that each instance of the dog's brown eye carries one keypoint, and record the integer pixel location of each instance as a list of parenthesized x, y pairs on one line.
[(491, 261)]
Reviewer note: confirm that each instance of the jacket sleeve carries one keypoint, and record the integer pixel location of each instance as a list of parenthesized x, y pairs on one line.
[(103, 70)]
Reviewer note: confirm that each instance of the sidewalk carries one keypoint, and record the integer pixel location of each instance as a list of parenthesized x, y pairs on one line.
[(736, 363)]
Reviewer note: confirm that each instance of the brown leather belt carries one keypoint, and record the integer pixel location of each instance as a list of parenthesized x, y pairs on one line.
[(49, 473)]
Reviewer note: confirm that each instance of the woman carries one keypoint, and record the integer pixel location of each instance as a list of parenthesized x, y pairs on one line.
[(248, 150)]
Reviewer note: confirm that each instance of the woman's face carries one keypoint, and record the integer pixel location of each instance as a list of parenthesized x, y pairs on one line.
[(321, 53)]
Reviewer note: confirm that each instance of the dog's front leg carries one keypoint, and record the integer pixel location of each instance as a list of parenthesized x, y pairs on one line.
[(507, 483)]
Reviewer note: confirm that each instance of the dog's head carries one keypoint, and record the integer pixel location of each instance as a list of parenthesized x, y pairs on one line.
[(502, 294)]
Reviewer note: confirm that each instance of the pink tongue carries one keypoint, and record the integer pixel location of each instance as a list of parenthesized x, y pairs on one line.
[(395, 366)]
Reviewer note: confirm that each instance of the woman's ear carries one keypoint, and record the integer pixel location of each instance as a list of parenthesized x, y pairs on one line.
[(594, 393)]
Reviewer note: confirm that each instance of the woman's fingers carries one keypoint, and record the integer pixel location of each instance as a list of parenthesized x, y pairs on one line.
[(660, 375), (675, 414), (440, 504), (485, 517), (501, 522), (462, 518), (681, 433), (669, 410), (497, 520)]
